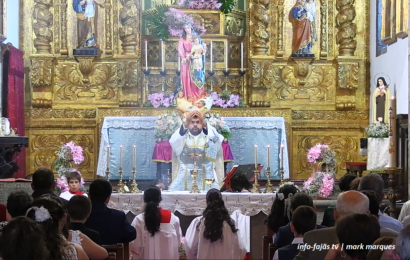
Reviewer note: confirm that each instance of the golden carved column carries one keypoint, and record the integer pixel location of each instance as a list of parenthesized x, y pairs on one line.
[(42, 26), (280, 15), (346, 28), (108, 31), (323, 29), (63, 15), (41, 73), (129, 30), (259, 26)]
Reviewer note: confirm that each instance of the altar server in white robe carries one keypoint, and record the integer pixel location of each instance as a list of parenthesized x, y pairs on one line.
[(196, 144), (158, 230), (214, 234)]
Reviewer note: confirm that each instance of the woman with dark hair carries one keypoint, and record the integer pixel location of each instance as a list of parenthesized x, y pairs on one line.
[(280, 213), (159, 233), (23, 238), (214, 234), (380, 102), (51, 216)]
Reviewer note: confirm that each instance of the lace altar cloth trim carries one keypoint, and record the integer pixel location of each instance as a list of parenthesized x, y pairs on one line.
[(250, 124), (194, 204), (377, 153)]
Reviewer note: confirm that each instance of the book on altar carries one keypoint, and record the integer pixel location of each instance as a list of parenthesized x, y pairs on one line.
[(247, 169)]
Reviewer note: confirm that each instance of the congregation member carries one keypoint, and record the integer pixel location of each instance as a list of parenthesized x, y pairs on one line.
[(18, 203), (285, 234), (374, 182), (51, 216), (344, 185), (159, 232), (23, 238), (402, 251), (355, 229), (43, 183), (303, 220), (280, 212), (110, 223), (376, 253), (74, 182), (214, 234), (79, 209), (3, 213), (349, 202)]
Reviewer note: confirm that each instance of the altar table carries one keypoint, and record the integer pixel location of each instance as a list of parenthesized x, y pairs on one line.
[(139, 131)]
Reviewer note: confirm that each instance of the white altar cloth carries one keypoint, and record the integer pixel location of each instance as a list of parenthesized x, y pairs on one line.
[(188, 204), (235, 124)]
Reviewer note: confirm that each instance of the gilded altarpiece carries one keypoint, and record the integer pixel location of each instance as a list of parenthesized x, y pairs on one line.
[(322, 98)]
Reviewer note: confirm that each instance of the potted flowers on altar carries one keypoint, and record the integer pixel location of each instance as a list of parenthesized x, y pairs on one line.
[(69, 153), (227, 100), (321, 182), (159, 100)]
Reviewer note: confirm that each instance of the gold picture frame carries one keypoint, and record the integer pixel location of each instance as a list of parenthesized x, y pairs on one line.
[(388, 30)]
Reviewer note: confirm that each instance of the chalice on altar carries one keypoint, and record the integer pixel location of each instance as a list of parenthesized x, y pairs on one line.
[(209, 181)]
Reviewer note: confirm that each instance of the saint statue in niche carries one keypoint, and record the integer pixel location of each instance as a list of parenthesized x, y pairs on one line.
[(302, 17), (380, 102), (87, 16)]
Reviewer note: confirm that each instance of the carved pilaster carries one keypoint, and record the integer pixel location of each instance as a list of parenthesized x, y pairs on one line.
[(348, 75), (108, 34), (129, 29), (346, 28), (42, 26), (323, 29), (259, 26), (63, 15), (280, 50)]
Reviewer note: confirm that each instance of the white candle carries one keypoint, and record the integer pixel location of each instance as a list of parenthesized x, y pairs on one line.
[(256, 157), (281, 156), (108, 157), (134, 157), (268, 148), (146, 55), (210, 55), (120, 156), (242, 60), (226, 55), (179, 63), (162, 55)]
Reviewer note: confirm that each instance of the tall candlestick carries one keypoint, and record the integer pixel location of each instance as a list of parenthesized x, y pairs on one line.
[(268, 148), (146, 55), (392, 135), (162, 55), (210, 56), (120, 156), (226, 55), (134, 157), (256, 157), (108, 157), (281, 155), (179, 63), (242, 60)]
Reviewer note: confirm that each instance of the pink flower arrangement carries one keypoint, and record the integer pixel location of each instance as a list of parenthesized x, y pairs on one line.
[(159, 99), (76, 152), (327, 188), (315, 152), (200, 4), (175, 20)]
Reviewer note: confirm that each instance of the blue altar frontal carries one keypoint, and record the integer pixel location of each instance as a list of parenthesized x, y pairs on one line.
[(246, 132)]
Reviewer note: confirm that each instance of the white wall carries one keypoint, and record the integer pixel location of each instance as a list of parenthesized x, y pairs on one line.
[(394, 63), (12, 13)]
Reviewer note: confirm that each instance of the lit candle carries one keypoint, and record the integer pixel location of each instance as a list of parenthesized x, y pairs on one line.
[(242, 60), (268, 148), (146, 55), (392, 137), (226, 55), (179, 63), (281, 156), (134, 157), (162, 55), (108, 157), (256, 157), (210, 54), (120, 156)]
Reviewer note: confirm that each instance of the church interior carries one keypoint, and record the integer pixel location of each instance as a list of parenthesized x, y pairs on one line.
[(298, 92)]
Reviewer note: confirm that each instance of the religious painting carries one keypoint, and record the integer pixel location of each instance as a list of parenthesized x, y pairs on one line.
[(380, 47), (302, 29), (402, 10), (388, 22)]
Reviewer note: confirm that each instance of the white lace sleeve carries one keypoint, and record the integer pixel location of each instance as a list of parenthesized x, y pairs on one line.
[(75, 237)]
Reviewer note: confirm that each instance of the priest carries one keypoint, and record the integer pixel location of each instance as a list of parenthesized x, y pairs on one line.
[(196, 145)]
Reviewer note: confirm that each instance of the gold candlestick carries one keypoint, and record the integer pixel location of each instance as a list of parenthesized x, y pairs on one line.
[(255, 187), (269, 186), (134, 185), (282, 172), (107, 171), (120, 185)]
